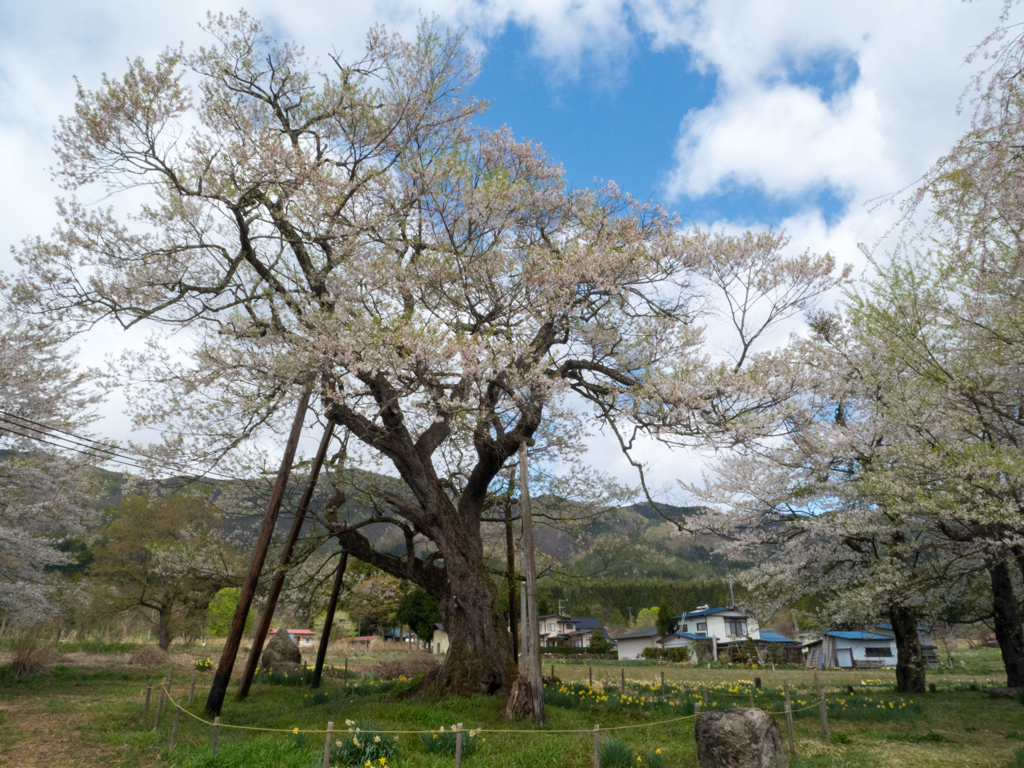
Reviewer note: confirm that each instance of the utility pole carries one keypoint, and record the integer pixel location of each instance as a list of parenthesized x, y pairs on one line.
[(234, 639), (559, 606), (252, 663), (630, 609), (530, 568), (732, 600)]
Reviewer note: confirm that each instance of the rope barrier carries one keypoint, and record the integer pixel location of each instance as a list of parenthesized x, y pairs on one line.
[(590, 731)]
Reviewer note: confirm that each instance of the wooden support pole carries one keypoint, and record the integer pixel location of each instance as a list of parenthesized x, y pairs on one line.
[(327, 745), (458, 745), (252, 663), (590, 673), (510, 577), (174, 726), (597, 745), (789, 718), (222, 677), (192, 690), (160, 697), (530, 568), (524, 634), (823, 711), (325, 636), (145, 707), (216, 732)]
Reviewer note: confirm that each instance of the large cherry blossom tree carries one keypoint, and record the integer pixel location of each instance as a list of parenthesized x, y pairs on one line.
[(437, 285)]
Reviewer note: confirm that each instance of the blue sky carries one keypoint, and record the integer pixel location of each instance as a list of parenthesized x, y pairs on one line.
[(791, 114)]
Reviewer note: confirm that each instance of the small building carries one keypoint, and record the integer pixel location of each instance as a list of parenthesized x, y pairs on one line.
[(852, 650), (304, 638), (439, 642), (698, 645), (928, 648), (631, 645)]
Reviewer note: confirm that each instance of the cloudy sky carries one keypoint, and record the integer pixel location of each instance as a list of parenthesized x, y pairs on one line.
[(738, 113)]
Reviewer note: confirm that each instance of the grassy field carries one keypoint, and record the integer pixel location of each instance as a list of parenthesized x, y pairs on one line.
[(88, 713)]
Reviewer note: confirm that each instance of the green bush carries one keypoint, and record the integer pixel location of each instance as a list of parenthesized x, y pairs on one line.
[(668, 654), (361, 745), (615, 754), (442, 742)]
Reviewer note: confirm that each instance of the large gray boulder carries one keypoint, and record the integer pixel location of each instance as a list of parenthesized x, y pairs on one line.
[(281, 654), (739, 738)]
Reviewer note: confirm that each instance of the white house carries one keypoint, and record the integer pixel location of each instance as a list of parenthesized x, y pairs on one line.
[(726, 625), (631, 645), (439, 643)]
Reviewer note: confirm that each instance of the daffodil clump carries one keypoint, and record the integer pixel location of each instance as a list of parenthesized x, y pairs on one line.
[(362, 745), (442, 741), (202, 665)]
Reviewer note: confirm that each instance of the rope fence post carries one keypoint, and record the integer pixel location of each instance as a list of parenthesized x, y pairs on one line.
[(751, 699), (346, 670), (823, 710), (192, 691), (789, 718), (327, 745), (705, 696), (216, 731), (161, 697), (552, 674), (458, 745), (303, 683), (590, 674), (597, 745), (662, 683), (174, 726), (696, 707), (623, 671), (145, 707)]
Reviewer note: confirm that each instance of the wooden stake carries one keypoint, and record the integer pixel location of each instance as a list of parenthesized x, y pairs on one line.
[(529, 566), (252, 663), (597, 746), (192, 690), (216, 731), (327, 745), (789, 718), (145, 707), (623, 671), (346, 670), (302, 682), (174, 726), (552, 674), (458, 745), (325, 636), (222, 677), (662, 683), (823, 710), (752, 700), (161, 696), (590, 673), (696, 707), (705, 696)]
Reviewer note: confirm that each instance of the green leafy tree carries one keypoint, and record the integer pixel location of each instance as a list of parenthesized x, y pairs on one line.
[(666, 624), (418, 609), (221, 610), (648, 617), (598, 644)]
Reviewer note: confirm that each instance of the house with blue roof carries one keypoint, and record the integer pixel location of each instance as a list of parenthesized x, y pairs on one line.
[(852, 650), (725, 625)]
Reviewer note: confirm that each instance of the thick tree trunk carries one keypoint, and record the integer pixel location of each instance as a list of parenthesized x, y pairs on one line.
[(909, 657), (1006, 617), (480, 653), (163, 630)]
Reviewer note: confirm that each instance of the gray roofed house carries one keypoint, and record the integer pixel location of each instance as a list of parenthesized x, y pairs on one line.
[(631, 645)]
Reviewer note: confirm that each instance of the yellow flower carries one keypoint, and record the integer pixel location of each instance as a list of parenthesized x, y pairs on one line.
[(295, 729), (657, 751), (435, 735), (376, 738)]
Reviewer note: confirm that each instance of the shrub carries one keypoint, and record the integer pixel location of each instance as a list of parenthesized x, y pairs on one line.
[(615, 754), (362, 745), (32, 650), (442, 741)]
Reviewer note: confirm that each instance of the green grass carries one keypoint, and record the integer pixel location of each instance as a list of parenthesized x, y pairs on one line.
[(956, 726)]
